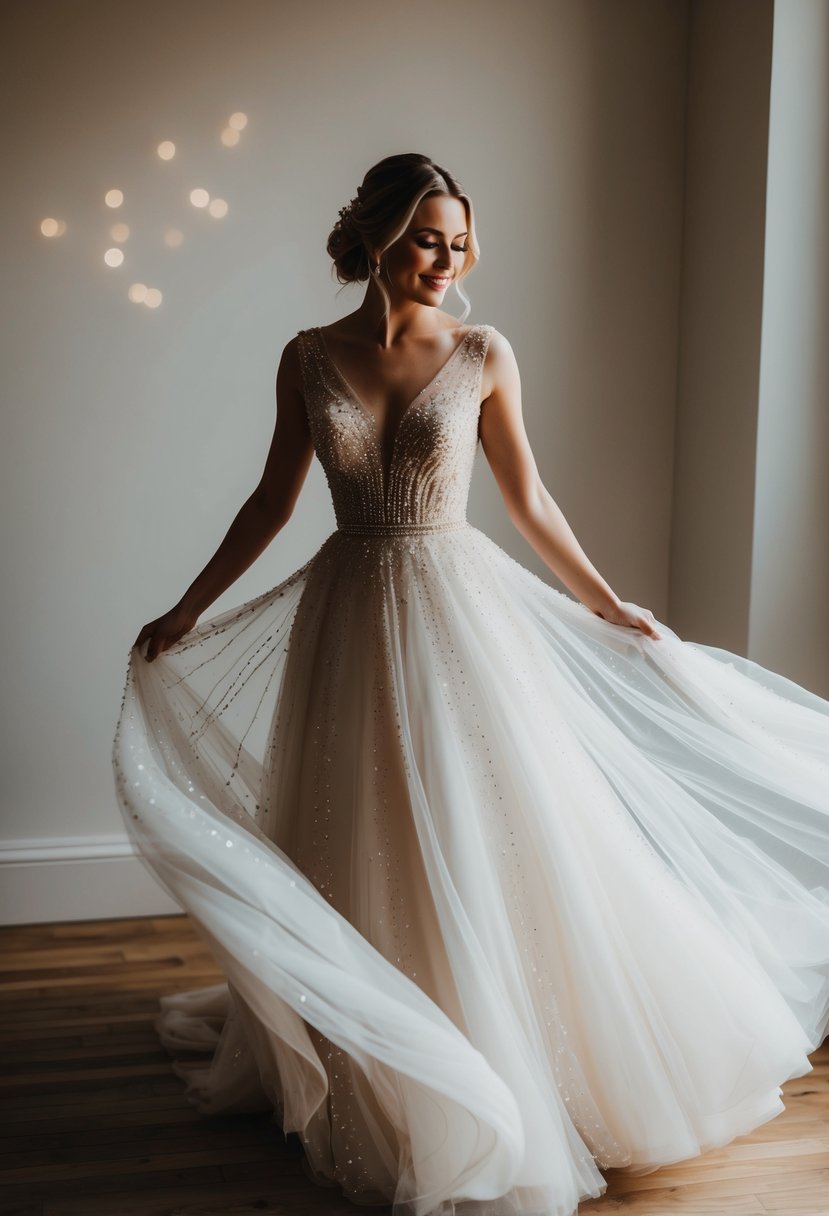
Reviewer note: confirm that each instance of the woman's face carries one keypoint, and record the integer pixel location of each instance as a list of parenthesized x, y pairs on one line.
[(422, 263)]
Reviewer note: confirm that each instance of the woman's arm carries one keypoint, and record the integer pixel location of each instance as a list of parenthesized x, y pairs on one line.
[(261, 516), (529, 505)]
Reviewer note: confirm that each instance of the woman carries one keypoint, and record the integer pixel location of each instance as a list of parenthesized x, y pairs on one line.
[(507, 886)]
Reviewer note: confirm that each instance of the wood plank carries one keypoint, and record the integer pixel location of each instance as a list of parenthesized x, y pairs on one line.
[(95, 1123)]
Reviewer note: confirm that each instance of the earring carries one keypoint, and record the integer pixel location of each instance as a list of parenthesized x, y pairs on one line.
[(377, 268)]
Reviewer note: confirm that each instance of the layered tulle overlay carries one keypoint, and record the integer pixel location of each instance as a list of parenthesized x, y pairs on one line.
[(503, 893)]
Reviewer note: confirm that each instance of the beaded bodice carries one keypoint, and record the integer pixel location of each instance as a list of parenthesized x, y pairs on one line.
[(426, 483)]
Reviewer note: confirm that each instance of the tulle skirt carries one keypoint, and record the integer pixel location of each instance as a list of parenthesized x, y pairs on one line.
[(504, 894)]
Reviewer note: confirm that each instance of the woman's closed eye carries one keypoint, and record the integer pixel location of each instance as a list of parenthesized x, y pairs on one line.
[(434, 245)]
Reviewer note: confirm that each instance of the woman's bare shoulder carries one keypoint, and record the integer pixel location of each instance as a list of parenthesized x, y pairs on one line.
[(500, 365), (289, 371)]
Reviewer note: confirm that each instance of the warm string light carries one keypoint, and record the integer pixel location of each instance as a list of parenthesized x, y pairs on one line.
[(114, 198)]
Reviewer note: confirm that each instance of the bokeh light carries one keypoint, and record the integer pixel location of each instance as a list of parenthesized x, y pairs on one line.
[(140, 293), (172, 237)]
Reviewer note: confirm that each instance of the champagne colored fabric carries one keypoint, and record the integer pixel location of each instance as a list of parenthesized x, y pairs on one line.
[(503, 893)]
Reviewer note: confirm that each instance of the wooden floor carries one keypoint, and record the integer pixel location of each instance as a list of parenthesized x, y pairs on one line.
[(94, 1122)]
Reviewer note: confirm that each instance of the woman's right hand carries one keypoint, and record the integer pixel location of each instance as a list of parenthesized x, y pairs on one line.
[(166, 630)]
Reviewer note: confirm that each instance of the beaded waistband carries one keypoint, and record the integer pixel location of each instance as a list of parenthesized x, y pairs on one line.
[(413, 529)]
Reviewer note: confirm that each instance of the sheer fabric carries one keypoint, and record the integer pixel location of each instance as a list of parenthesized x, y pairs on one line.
[(504, 894)]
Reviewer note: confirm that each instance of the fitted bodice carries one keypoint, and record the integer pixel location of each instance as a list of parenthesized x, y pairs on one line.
[(426, 483)]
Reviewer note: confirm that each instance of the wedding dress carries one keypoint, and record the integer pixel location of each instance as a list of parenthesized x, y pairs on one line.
[(503, 893)]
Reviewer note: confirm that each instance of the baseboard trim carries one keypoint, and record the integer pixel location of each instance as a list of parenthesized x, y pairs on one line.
[(62, 878)]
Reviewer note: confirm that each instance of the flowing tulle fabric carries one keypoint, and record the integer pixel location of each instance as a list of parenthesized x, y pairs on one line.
[(503, 893)]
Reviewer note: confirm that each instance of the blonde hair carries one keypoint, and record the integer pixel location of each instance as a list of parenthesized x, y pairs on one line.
[(382, 211)]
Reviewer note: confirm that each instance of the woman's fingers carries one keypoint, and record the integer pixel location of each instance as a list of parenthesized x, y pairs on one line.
[(144, 634), (645, 622), (649, 626), (628, 615), (165, 631)]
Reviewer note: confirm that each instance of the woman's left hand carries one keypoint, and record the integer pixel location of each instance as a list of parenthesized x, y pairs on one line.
[(632, 616)]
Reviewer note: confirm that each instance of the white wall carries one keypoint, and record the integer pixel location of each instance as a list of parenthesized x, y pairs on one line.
[(750, 561), (718, 372), (789, 622), (132, 436)]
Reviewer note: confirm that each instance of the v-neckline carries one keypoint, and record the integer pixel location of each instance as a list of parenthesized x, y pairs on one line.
[(372, 419)]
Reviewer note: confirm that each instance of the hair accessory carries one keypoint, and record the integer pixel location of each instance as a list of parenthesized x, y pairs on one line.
[(347, 211)]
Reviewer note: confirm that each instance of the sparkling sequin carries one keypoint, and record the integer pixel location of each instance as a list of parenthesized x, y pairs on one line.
[(433, 450), (416, 739)]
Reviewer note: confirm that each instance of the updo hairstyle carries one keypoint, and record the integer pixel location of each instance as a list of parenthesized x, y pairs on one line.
[(382, 211)]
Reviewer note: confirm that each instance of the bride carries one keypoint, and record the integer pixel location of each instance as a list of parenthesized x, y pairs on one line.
[(507, 885)]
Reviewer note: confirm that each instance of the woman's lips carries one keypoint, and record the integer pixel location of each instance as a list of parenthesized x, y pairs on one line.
[(438, 283)]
